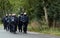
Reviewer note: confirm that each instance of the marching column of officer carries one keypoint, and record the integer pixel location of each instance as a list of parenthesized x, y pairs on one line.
[(4, 20), (25, 22), (11, 22), (20, 23)]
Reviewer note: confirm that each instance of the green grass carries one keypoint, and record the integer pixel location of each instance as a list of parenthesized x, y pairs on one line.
[(1, 25), (52, 31)]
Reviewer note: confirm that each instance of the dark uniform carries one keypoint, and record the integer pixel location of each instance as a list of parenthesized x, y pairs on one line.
[(8, 22), (25, 21), (13, 26), (20, 23), (4, 22)]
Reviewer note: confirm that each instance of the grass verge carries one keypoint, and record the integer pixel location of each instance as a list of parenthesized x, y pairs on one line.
[(51, 31)]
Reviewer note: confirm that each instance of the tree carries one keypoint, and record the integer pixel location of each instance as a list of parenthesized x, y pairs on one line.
[(6, 7)]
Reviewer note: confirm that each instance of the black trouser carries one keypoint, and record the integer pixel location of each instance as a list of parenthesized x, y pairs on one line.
[(7, 27), (4, 26), (25, 27), (20, 26), (13, 27)]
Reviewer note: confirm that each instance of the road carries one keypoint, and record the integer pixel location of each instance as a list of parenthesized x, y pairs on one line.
[(7, 34)]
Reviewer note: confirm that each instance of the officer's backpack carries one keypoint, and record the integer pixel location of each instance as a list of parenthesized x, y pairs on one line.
[(6, 19), (23, 18), (12, 19)]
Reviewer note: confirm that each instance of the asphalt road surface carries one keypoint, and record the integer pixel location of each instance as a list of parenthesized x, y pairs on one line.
[(7, 34)]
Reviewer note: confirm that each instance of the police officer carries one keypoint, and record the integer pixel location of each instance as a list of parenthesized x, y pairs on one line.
[(14, 21), (9, 21), (4, 20), (25, 22), (20, 23), (11, 26)]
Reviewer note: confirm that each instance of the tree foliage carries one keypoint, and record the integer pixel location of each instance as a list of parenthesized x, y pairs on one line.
[(34, 8)]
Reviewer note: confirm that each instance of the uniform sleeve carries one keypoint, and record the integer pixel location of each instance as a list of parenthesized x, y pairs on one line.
[(27, 19)]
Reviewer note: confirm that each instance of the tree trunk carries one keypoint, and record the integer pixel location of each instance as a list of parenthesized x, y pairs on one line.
[(54, 21), (46, 16)]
